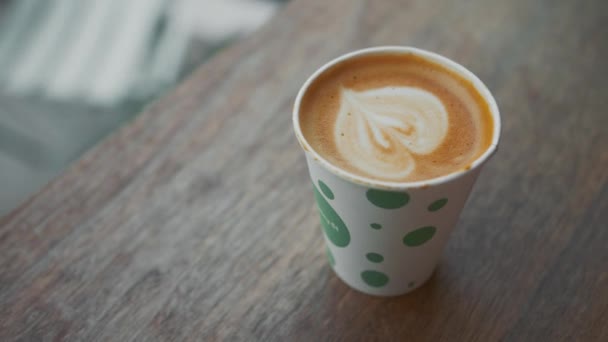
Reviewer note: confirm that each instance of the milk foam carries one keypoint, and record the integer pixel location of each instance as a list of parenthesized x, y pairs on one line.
[(378, 130), (395, 117)]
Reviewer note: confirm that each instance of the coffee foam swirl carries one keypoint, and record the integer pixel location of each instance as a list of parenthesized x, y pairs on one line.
[(395, 117), (378, 130)]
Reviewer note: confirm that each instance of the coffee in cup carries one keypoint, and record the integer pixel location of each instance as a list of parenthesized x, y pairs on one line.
[(395, 117)]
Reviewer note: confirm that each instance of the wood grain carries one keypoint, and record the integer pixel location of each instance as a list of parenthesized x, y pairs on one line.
[(195, 222)]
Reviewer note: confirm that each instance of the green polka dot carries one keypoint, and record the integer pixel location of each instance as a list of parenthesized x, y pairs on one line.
[(333, 226), (438, 204), (330, 257), (374, 257), (374, 278), (419, 236), (326, 190), (411, 284), (376, 225), (387, 199)]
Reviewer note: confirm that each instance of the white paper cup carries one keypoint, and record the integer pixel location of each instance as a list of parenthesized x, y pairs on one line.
[(386, 238)]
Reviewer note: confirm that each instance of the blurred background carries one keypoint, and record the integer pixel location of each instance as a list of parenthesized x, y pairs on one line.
[(71, 71)]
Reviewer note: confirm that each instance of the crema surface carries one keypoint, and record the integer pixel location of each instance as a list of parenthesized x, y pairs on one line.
[(395, 117)]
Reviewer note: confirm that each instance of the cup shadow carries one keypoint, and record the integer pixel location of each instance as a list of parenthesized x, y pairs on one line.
[(422, 314)]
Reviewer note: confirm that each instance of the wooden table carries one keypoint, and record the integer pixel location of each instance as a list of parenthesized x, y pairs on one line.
[(196, 221)]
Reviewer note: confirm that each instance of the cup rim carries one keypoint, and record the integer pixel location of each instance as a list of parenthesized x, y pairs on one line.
[(390, 185)]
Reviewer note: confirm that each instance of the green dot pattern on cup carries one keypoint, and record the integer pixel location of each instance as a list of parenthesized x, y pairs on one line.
[(326, 190), (387, 199), (335, 229), (419, 236), (376, 226), (438, 204), (411, 284), (374, 278), (374, 257), (330, 257)]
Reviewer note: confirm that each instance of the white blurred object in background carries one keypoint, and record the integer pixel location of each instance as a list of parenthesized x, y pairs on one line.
[(208, 19), (108, 51), (72, 70)]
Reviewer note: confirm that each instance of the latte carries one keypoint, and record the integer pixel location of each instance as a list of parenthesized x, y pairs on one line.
[(395, 117)]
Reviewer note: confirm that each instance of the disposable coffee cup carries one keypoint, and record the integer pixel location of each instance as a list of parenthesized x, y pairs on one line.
[(386, 238)]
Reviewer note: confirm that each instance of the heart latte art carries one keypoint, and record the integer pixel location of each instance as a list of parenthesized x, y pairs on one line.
[(395, 118), (378, 130)]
